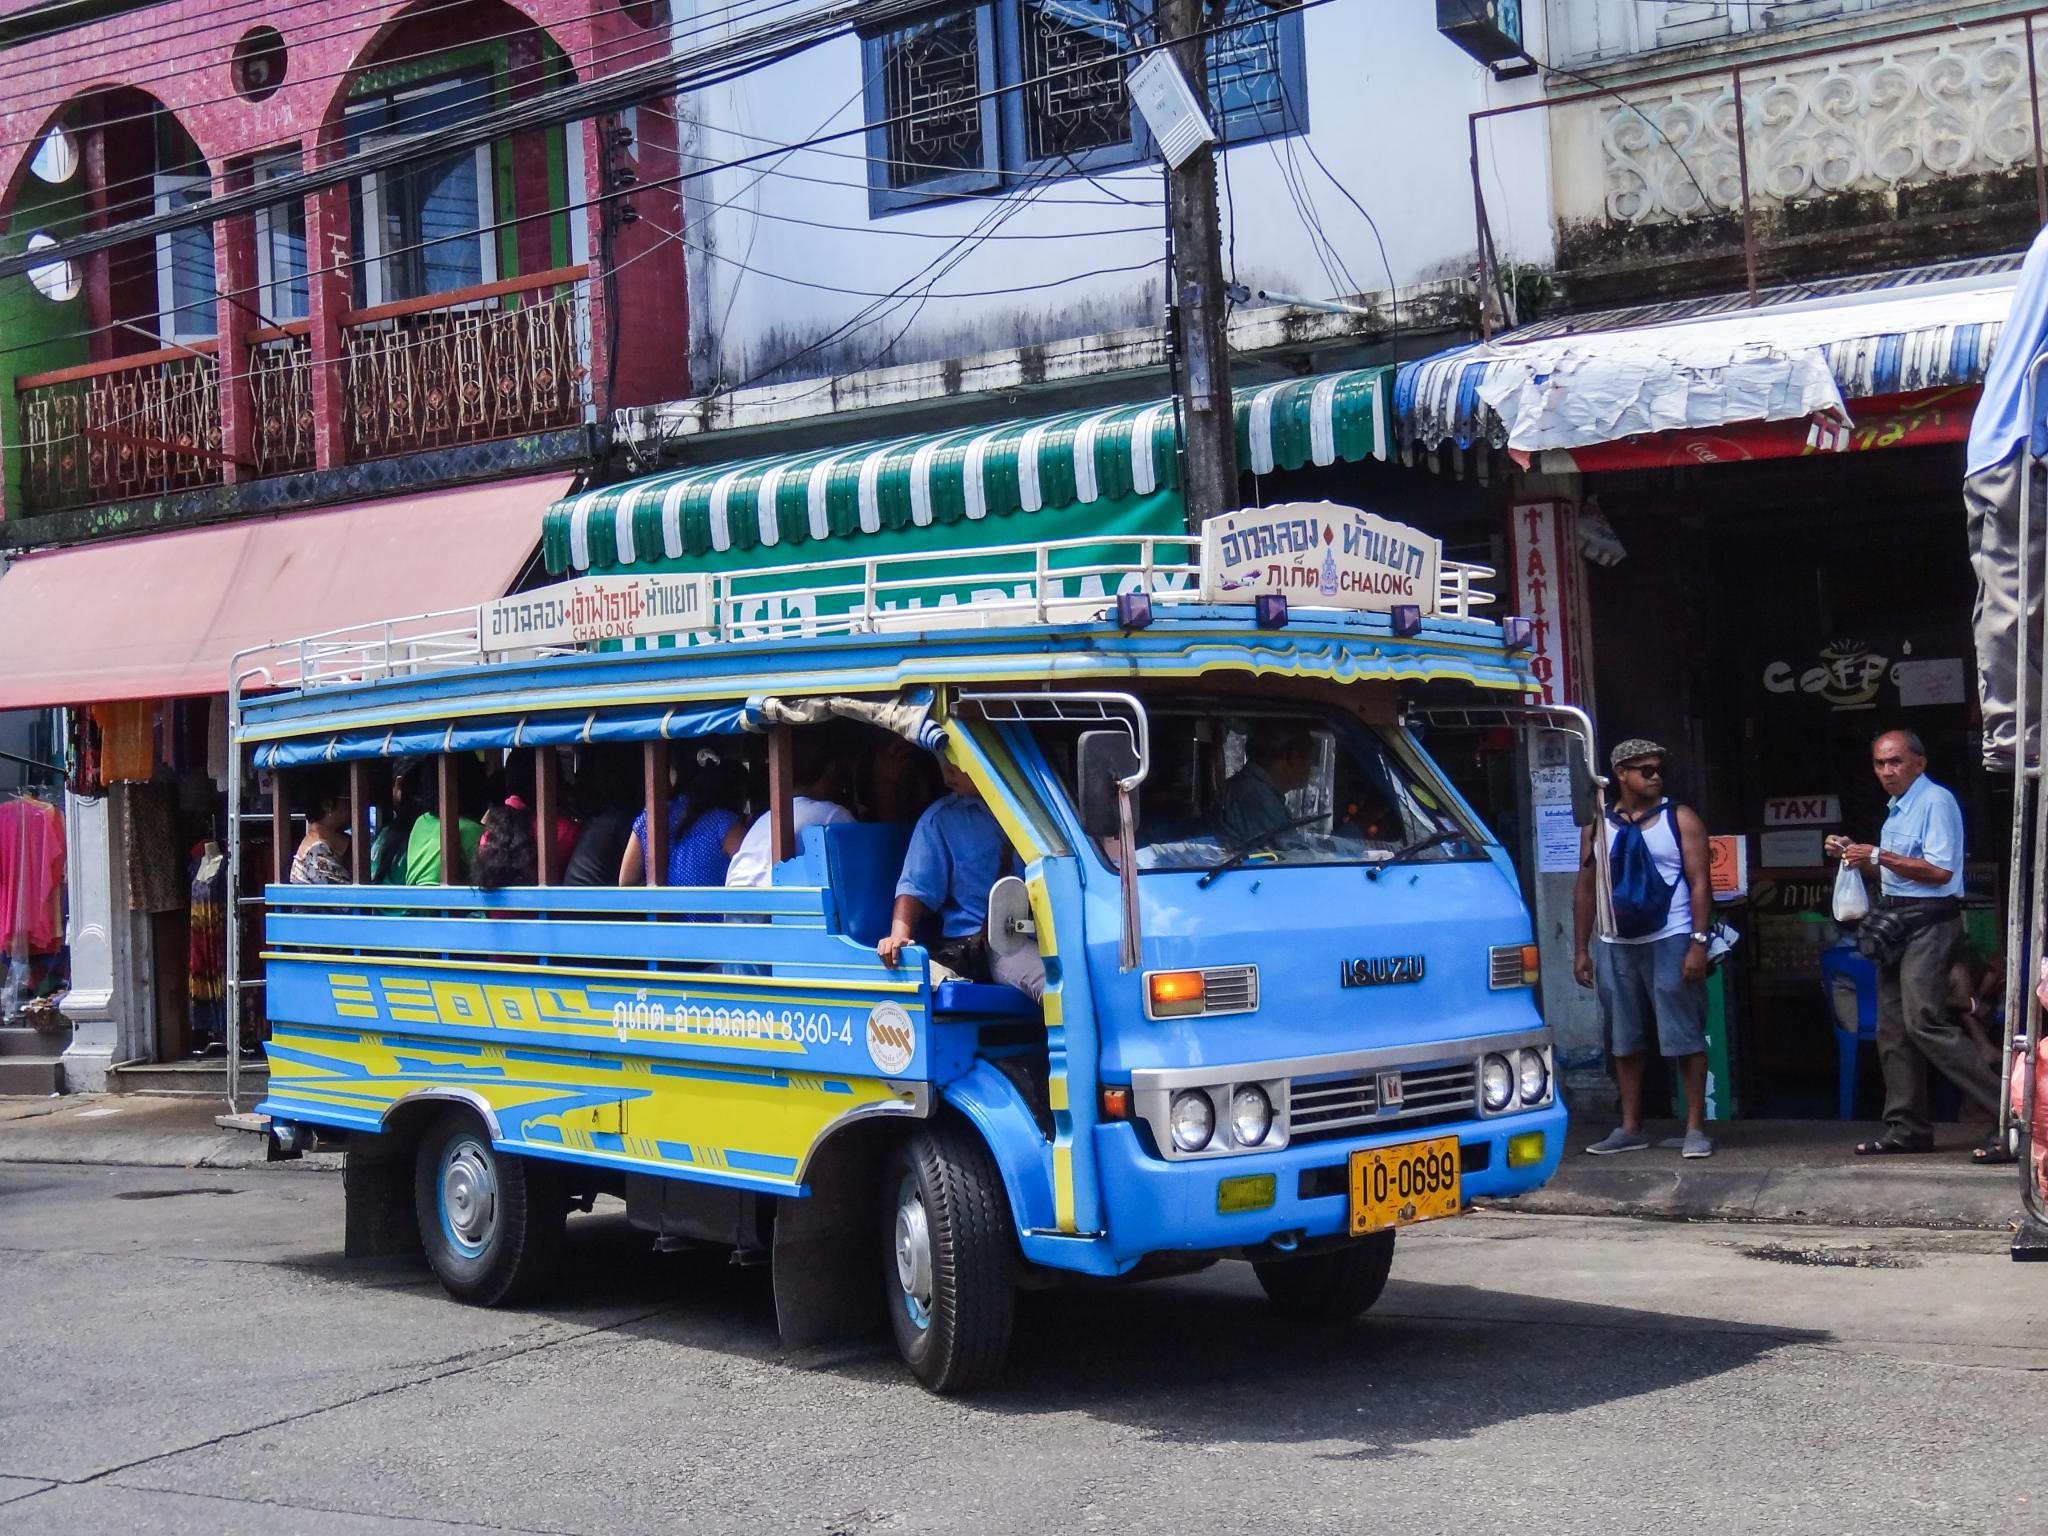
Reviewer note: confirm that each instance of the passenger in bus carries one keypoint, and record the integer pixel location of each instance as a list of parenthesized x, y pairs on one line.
[(423, 846), (957, 852), (608, 795), (1254, 802), (410, 785), (706, 824), (819, 769), (522, 771), (323, 853), (505, 850)]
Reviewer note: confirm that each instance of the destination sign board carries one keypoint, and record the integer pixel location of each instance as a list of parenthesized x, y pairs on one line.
[(1319, 555), (597, 608)]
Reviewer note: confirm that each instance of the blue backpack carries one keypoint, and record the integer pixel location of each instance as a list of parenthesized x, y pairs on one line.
[(1642, 897)]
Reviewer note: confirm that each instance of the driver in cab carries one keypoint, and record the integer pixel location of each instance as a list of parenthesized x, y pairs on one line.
[(1254, 803)]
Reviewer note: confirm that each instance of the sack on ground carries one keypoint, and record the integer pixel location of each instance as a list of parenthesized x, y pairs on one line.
[(1852, 896)]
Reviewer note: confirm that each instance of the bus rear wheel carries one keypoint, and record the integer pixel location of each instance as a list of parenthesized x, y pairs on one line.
[(1331, 1286), (491, 1223), (947, 1268)]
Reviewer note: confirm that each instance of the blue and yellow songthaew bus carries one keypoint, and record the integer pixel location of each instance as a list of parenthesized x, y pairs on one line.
[(1279, 992)]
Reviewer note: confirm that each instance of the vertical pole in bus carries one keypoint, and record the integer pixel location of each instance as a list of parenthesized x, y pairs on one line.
[(280, 830), (781, 796), (654, 777), (359, 821), (547, 797), (448, 797)]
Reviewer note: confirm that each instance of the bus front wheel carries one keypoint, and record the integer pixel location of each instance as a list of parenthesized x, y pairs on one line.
[(1331, 1286), (947, 1265), (491, 1223)]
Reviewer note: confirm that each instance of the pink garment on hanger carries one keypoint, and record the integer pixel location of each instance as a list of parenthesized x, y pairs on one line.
[(31, 877)]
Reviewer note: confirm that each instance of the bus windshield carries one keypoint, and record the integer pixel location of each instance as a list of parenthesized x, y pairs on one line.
[(1290, 785)]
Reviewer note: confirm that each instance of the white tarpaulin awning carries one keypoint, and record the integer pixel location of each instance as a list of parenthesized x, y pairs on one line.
[(1575, 383)]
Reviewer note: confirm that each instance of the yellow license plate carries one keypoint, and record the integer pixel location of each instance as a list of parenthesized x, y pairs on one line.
[(1394, 1186)]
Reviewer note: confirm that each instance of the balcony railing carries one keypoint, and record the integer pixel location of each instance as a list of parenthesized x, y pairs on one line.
[(501, 360), (1921, 142), (123, 429), (281, 399)]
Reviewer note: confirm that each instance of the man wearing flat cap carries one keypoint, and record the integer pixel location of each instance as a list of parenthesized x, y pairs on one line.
[(1651, 971)]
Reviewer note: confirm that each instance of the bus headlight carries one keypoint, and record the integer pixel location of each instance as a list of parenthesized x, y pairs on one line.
[(1496, 1084), (1251, 1115), (1193, 1120), (1535, 1075)]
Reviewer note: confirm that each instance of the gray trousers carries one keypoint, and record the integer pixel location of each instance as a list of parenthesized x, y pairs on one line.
[(1915, 1032), (1992, 499)]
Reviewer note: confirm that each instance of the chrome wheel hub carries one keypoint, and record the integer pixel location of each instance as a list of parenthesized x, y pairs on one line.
[(469, 1194), (914, 1252)]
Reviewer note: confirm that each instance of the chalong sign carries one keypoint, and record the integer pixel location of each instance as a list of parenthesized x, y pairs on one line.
[(1319, 555)]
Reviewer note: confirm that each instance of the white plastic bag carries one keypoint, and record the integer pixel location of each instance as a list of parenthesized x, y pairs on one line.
[(1852, 897)]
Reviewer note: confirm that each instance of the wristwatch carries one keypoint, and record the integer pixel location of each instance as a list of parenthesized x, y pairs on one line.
[(1702, 938), (1874, 852)]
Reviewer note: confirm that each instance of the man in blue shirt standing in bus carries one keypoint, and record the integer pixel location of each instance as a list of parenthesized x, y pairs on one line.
[(957, 852), (1919, 860)]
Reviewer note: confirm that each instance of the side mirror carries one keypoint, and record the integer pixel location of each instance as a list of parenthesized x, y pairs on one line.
[(1585, 793), (1102, 759)]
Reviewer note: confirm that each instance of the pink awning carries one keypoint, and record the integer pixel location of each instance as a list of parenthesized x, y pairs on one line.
[(160, 617)]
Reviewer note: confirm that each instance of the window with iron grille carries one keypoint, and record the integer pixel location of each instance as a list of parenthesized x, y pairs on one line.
[(977, 97)]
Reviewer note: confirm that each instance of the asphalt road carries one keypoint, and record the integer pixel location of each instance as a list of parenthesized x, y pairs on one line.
[(188, 1352)]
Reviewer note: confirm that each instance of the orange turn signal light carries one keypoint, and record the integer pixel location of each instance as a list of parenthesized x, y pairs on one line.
[(1174, 994), (1116, 1103), (1532, 969)]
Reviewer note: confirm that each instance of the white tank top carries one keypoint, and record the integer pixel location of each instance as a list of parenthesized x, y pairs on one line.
[(1660, 836)]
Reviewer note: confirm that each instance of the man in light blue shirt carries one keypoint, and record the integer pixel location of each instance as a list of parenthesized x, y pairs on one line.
[(956, 853), (1919, 860), (1994, 479)]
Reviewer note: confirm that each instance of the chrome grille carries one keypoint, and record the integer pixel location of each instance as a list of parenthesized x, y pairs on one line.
[(1320, 1108), (1504, 967), (1230, 989)]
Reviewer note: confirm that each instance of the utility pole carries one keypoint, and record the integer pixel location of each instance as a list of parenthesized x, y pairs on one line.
[(1198, 335)]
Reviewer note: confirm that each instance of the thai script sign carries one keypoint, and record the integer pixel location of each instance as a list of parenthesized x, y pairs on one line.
[(597, 608), (1319, 555)]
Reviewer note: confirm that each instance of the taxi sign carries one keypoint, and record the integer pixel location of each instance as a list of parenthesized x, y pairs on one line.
[(1319, 555), (597, 608)]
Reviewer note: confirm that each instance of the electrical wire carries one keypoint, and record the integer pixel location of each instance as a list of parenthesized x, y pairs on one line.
[(552, 109), (382, 19), (566, 57)]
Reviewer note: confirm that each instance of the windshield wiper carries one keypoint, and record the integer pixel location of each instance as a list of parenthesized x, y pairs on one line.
[(1420, 845), (1244, 849)]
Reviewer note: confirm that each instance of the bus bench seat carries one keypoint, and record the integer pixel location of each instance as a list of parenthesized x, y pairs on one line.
[(858, 863), (981, 1000)]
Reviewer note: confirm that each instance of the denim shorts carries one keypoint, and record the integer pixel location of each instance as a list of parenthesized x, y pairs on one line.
[(1641, 985)]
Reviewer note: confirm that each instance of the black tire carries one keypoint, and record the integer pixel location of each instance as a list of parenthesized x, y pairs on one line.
[(1332, 1286), (491, 1223), (952, 1317)]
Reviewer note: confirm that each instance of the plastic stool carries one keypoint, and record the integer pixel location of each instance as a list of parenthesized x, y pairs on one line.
[(1841, 962)]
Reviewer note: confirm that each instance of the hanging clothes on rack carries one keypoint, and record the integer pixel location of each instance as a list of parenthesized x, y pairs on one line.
[(31, 876), (127, 741), (207, 956)]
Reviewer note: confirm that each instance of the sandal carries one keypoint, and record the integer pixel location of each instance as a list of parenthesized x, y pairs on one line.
[(1992, 1150), (1887, 1144)]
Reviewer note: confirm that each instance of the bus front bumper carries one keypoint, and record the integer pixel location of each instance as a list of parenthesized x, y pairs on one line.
[(1154, 1206)]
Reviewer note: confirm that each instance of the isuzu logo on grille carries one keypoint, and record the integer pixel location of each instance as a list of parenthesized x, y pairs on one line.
[(1381, 970)]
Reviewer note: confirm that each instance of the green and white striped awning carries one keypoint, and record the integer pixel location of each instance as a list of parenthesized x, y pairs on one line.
[(1079, 459)]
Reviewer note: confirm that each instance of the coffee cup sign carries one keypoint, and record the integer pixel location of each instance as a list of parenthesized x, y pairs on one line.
[(1847, 674)]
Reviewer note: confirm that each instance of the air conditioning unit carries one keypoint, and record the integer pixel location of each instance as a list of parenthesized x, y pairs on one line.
[(1489, 30)]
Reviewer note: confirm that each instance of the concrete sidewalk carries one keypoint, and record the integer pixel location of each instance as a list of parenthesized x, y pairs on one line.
[(1762, 1170), (1783, 1170), (132, 1130)]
